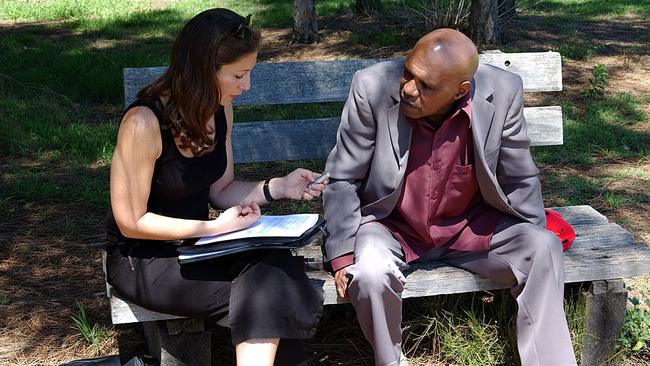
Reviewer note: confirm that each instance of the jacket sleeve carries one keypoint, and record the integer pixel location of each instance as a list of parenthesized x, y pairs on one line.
[(348, 164), (516, 172)]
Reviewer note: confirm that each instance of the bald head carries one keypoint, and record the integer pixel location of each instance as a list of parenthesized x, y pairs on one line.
[(437, 74), (449, 50)]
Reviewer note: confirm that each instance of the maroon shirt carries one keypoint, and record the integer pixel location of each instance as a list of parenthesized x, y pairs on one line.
[(441, 204)]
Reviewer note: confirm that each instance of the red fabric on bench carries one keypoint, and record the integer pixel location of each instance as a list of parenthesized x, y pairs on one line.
[(556, 223)]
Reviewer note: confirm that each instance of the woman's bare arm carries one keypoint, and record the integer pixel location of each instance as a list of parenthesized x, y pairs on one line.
[(138, 146)]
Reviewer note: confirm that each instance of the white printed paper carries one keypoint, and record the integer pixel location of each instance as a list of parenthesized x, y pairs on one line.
[(291, 226)]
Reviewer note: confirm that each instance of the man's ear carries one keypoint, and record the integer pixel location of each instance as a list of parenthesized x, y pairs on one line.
[(463, 89)]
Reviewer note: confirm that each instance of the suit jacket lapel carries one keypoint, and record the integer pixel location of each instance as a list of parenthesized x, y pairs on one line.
[(400, 132), (482, 113), (481, 121)]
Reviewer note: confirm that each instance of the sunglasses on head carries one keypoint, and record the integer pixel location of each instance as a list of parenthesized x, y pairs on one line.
[(239, 32), (241, 28)]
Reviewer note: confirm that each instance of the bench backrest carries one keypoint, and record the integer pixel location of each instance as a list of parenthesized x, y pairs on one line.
[(276, 83)]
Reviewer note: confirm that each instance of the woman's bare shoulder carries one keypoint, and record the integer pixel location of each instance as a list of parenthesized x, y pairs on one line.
[(140, 126), (140, 118)]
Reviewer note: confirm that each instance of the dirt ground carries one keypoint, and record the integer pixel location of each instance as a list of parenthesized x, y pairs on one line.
[(46, 264)]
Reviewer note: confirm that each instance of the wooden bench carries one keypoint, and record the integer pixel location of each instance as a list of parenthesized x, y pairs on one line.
[(603, 252)]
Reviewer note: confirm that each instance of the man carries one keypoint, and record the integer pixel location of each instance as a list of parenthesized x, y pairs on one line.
[(432, 161)]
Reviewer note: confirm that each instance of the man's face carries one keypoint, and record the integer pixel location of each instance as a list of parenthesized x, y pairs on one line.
[(426, 89)]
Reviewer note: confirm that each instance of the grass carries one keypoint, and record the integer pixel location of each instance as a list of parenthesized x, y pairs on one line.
[(42, 123), (60, 100), (614, 200), (470, 341), (470, 329), (586, 9), (53, 183), (95, 335), (382, 38), (599, 131), (570, 20), (96, 39), (575, 307), (574, 49), (636, 330)]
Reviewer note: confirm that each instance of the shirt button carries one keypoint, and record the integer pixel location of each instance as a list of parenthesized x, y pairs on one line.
[(434, 195), (436, 166)]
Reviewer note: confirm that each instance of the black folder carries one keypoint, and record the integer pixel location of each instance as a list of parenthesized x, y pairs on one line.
[(196, 253)]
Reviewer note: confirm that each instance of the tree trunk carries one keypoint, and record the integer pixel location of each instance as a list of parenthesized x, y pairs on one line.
[(305, 29), (506, 10), (368, 7), (483, 22)]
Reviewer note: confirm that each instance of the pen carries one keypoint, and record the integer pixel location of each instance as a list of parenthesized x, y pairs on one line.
[(320, 179)]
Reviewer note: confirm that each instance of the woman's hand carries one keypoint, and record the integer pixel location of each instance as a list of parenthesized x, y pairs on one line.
[(238, 217), (296, 185)]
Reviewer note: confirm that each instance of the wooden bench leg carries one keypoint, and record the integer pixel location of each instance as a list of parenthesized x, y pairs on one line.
[(152, 336), (184, 342), (605, 315)]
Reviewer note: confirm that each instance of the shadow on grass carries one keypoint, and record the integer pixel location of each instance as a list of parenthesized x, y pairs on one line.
[(49, 127), (588, 8), (47, 265), (86, 64), (85, 60), (578, 39), (574, 188), (599, 132), (55, 184), (55, 211), (603, 133)]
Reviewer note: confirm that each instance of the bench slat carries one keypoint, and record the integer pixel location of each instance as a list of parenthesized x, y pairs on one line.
[(540, 71), (544, 125), (580, 215), (601, 251), (584, 219), (617, 256), (284, 140), (123, 312), (327, 81), (600, 237), (313, 139)]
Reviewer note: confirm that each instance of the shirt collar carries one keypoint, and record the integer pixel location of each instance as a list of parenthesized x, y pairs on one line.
[(463, 105)]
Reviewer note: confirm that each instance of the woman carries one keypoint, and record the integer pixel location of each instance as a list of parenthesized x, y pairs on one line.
[(173, 157)]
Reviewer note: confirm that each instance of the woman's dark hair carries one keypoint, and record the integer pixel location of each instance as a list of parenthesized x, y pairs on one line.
[(211, 39)]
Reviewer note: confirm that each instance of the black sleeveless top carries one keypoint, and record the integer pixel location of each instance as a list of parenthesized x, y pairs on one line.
[(180, 185)]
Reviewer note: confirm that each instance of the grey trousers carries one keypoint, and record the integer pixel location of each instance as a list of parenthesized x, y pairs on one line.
[(521, 254)]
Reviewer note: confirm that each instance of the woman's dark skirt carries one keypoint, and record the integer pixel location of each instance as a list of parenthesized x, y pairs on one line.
[(258, 294)]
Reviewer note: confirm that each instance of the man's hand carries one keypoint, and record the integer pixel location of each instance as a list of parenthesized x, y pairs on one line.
[(341, 280)]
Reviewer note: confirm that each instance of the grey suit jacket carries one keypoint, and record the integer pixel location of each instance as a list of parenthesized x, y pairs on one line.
[(369, 159)]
